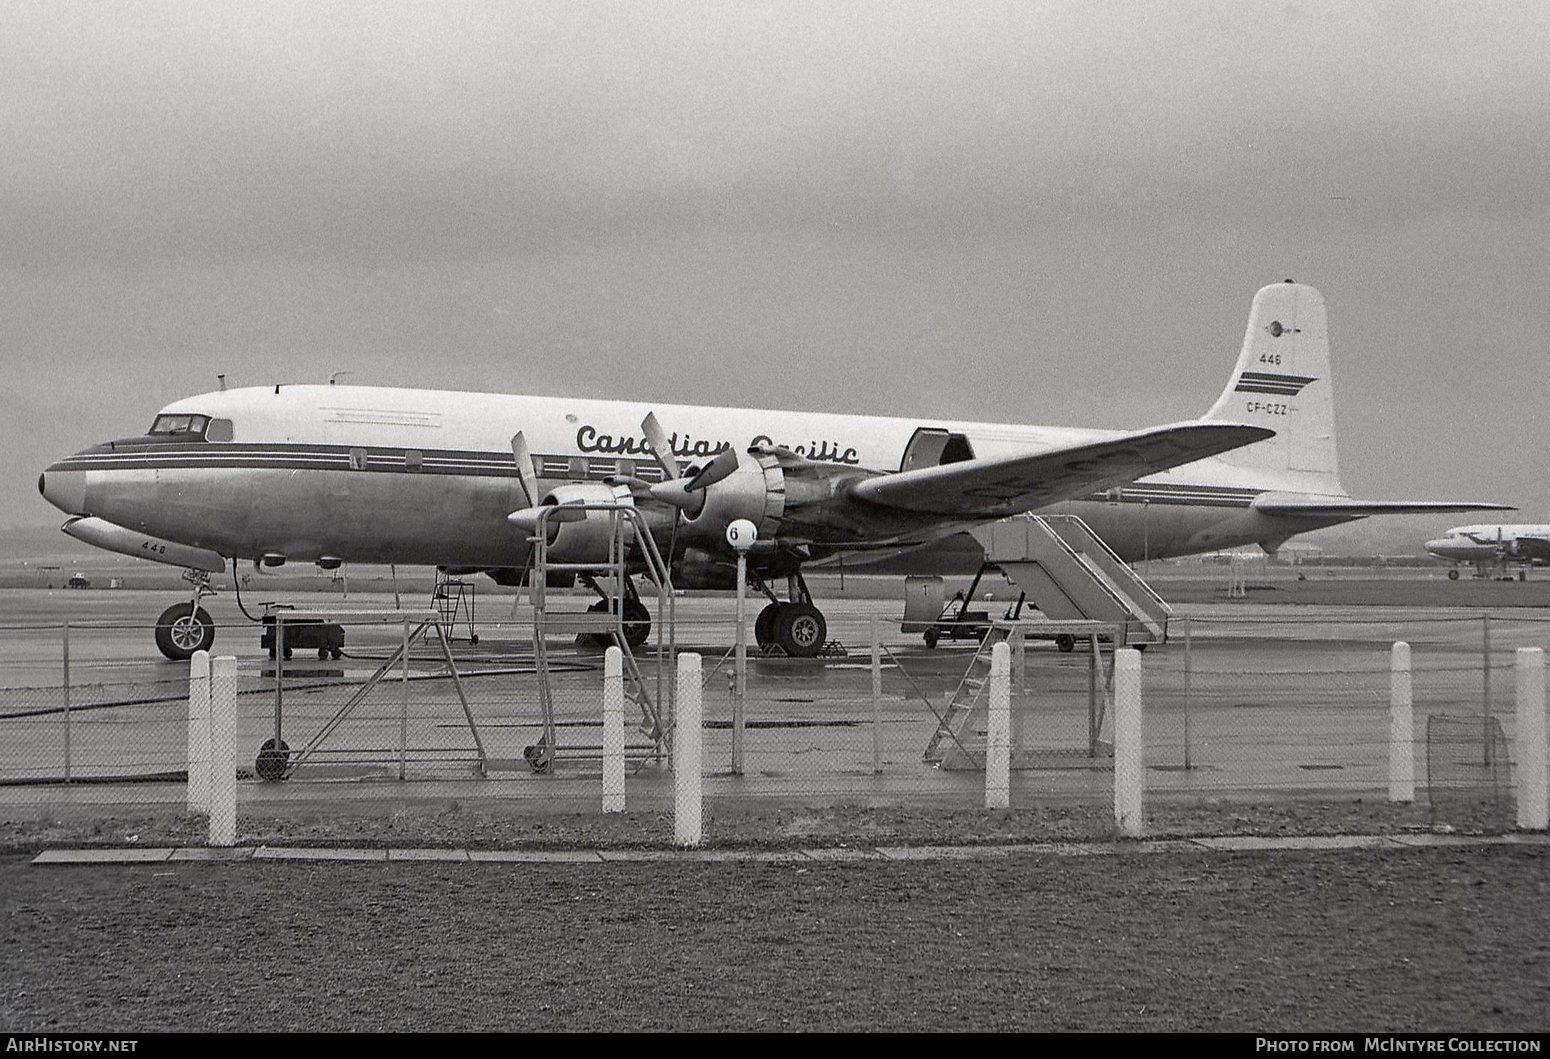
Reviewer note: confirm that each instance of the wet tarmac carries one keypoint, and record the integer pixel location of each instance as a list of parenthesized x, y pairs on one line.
[(1246, 697)]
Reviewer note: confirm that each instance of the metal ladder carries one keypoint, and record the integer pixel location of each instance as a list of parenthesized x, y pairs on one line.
[(454, 598), (627, 528), (968, 694)]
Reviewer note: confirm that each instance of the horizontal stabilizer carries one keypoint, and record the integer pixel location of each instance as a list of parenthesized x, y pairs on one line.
[(1001, 485), (1312, 504)]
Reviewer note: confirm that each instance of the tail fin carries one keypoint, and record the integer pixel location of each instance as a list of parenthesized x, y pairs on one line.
[(1282, 381)]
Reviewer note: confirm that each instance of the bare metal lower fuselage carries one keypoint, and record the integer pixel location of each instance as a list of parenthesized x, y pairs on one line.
[(406, 518)]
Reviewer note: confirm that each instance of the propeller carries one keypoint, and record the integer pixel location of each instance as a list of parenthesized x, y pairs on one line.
[(688, 494), (526, 518), (661, 449), (525, 473)]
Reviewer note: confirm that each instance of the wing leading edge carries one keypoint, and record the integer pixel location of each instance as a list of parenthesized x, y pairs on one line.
[(997, 486)]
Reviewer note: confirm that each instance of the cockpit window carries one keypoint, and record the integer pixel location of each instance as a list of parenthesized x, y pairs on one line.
[(180, 425)]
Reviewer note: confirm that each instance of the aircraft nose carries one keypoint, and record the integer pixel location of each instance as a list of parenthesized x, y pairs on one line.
[(66, 490)]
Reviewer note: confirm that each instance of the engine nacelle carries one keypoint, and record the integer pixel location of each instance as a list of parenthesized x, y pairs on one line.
[(586, 539), (780, 492), (755, 491)]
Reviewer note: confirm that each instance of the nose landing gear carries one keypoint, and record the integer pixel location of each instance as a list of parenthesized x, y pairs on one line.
[(184, 628)]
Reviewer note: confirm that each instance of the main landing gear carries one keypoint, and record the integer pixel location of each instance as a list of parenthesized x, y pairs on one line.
[(797, 628), (184, 628), (637, 618)]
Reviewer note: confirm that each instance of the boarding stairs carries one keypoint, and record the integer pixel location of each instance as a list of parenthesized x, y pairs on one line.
[(629, 540), (1070, 574)]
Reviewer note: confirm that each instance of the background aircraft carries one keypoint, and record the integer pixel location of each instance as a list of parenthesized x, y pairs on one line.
[(333, 474), (1488, 547)]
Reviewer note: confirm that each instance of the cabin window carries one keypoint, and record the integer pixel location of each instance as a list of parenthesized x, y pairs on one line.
[(357, 459), (220, 430), (179, 425), (414, 460), (577, 469)]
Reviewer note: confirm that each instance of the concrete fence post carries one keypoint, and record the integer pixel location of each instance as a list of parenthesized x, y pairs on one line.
[(1533, 791), (613, 731), (1401, 726), (223, 751), (1019, 642), (998, 730), (199, 732), (1129, 777), (688, 806)]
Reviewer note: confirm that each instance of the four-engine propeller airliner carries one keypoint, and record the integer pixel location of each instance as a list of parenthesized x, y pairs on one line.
[(333, 474), (1497, 546)]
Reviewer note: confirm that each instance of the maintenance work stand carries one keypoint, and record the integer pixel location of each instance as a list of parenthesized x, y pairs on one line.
[(275, 759)]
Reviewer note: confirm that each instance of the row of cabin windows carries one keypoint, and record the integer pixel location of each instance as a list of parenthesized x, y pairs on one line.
[(927, 448), (576, 467)]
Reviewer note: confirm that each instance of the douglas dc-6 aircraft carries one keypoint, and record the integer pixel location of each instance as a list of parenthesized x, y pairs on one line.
[(1487, 546), (333, 474)]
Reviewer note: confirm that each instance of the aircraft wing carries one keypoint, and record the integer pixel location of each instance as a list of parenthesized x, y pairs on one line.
[(1315, 504), (997, 486)]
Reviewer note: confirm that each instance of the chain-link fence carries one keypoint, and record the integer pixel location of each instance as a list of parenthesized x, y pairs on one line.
[(1255, 707)]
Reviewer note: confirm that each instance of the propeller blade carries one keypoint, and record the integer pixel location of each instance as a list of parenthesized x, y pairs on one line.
[(526, 518), (524, 461), (661, 450), (639, 488), (721, 465)]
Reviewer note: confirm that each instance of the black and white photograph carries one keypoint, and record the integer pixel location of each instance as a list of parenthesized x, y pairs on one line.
[(839, 516)]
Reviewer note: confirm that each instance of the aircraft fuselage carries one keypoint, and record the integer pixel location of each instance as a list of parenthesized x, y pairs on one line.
[(372, 475)]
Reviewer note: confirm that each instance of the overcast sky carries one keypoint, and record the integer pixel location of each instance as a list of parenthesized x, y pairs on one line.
[(1027, 212)]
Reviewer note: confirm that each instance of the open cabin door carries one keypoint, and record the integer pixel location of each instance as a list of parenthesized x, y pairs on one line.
[(933, 446)]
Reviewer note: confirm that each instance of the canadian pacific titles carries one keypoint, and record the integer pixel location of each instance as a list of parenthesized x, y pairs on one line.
[(589, 440)]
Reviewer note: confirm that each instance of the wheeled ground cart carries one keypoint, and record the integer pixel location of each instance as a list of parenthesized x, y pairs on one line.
[(325, 637)]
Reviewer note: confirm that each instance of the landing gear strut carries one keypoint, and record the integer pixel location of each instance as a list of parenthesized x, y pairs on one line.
[(184, 628), (798, 628)]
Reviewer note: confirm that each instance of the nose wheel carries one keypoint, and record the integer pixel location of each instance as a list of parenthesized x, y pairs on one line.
[(182, 629)]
